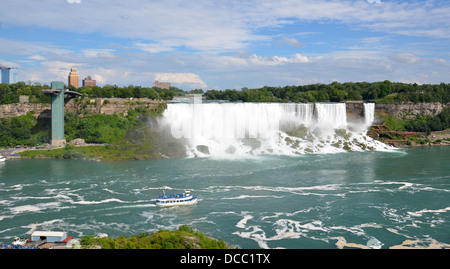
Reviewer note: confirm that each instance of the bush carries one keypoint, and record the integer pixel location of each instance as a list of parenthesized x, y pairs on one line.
[(429, 123), (183, 238), (19, 131), (393, 123)]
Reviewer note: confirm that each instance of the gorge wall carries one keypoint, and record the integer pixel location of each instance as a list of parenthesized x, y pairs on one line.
[(117, 106), (355, 110), (98, 105), (400, 110)]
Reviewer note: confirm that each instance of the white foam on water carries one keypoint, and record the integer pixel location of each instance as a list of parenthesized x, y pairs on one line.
[(99, 202), (285, 227), (243, 222), (230, 130), (240, 197), (425, 211), (34, 208)]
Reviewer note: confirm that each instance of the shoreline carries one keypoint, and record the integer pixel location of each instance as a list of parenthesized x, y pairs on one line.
[(131, 152), (410, 140)]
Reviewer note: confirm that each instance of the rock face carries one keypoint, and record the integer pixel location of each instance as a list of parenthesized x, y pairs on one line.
[(354, 111), (117, 106), (400, 110), (14, 110), (99, 105)]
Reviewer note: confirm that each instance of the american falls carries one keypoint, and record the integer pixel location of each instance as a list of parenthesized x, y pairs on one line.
[(242, 129)]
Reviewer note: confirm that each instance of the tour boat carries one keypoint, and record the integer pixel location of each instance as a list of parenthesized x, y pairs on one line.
[(185, 198), (19, 241)]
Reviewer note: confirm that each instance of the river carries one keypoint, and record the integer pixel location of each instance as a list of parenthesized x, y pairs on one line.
[(332, 200)]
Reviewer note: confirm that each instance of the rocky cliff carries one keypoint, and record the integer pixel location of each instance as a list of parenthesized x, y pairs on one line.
[(116, 106), (14, 110), (98, 105), (400, 110), (355, 109)]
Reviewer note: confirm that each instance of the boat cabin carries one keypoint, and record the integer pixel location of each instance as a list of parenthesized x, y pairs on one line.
[(50, 237)]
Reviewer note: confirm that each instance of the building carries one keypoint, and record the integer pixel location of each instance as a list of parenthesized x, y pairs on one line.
[(50, 237), (74, 78), (89, 82), (161, 85), (8, 75)]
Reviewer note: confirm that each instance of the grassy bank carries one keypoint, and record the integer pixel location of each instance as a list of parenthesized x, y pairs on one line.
[(150, 149), (182, 238), (95, 153)]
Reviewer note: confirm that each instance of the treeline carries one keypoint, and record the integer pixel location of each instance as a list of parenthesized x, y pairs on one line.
[(9, 94), (382, 92), (114, 91)]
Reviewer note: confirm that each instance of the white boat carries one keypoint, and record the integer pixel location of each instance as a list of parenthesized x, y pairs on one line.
[(185, 198), (2, 159), (19, 241)]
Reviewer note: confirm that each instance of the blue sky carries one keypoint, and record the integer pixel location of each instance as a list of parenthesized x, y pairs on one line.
[(227, 44)]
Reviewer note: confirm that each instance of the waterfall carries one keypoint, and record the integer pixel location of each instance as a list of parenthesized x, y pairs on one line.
[(333, 115), (224, 129), (369, 114)]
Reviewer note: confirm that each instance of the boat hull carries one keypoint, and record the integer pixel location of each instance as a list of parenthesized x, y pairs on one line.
[(175, 203)]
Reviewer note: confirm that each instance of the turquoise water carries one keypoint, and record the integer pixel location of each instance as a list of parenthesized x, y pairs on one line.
[(309, 201)]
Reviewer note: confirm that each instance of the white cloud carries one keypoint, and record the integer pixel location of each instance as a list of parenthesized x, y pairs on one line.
[(56, 70), (220, 26), (439, 60), (105, 53), (18, 47), (181, 41), (199, 25), (116, 75), (37, 57), (291, 41), (190, 79), (154, 48), (9, 64), (244, 69), (253, 59), (404, 58)]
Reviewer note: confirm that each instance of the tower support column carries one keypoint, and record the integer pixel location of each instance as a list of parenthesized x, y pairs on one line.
[(58, 115)]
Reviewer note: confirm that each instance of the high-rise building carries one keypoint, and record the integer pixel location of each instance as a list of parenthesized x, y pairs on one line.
[(161, 85), (89, 82), (8, 75), (74, 78)]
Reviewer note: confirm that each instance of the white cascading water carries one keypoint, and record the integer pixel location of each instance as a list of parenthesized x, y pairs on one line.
[(369, 113), (234, 129)]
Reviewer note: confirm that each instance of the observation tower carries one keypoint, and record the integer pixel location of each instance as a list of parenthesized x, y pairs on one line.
[(59, 96)]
